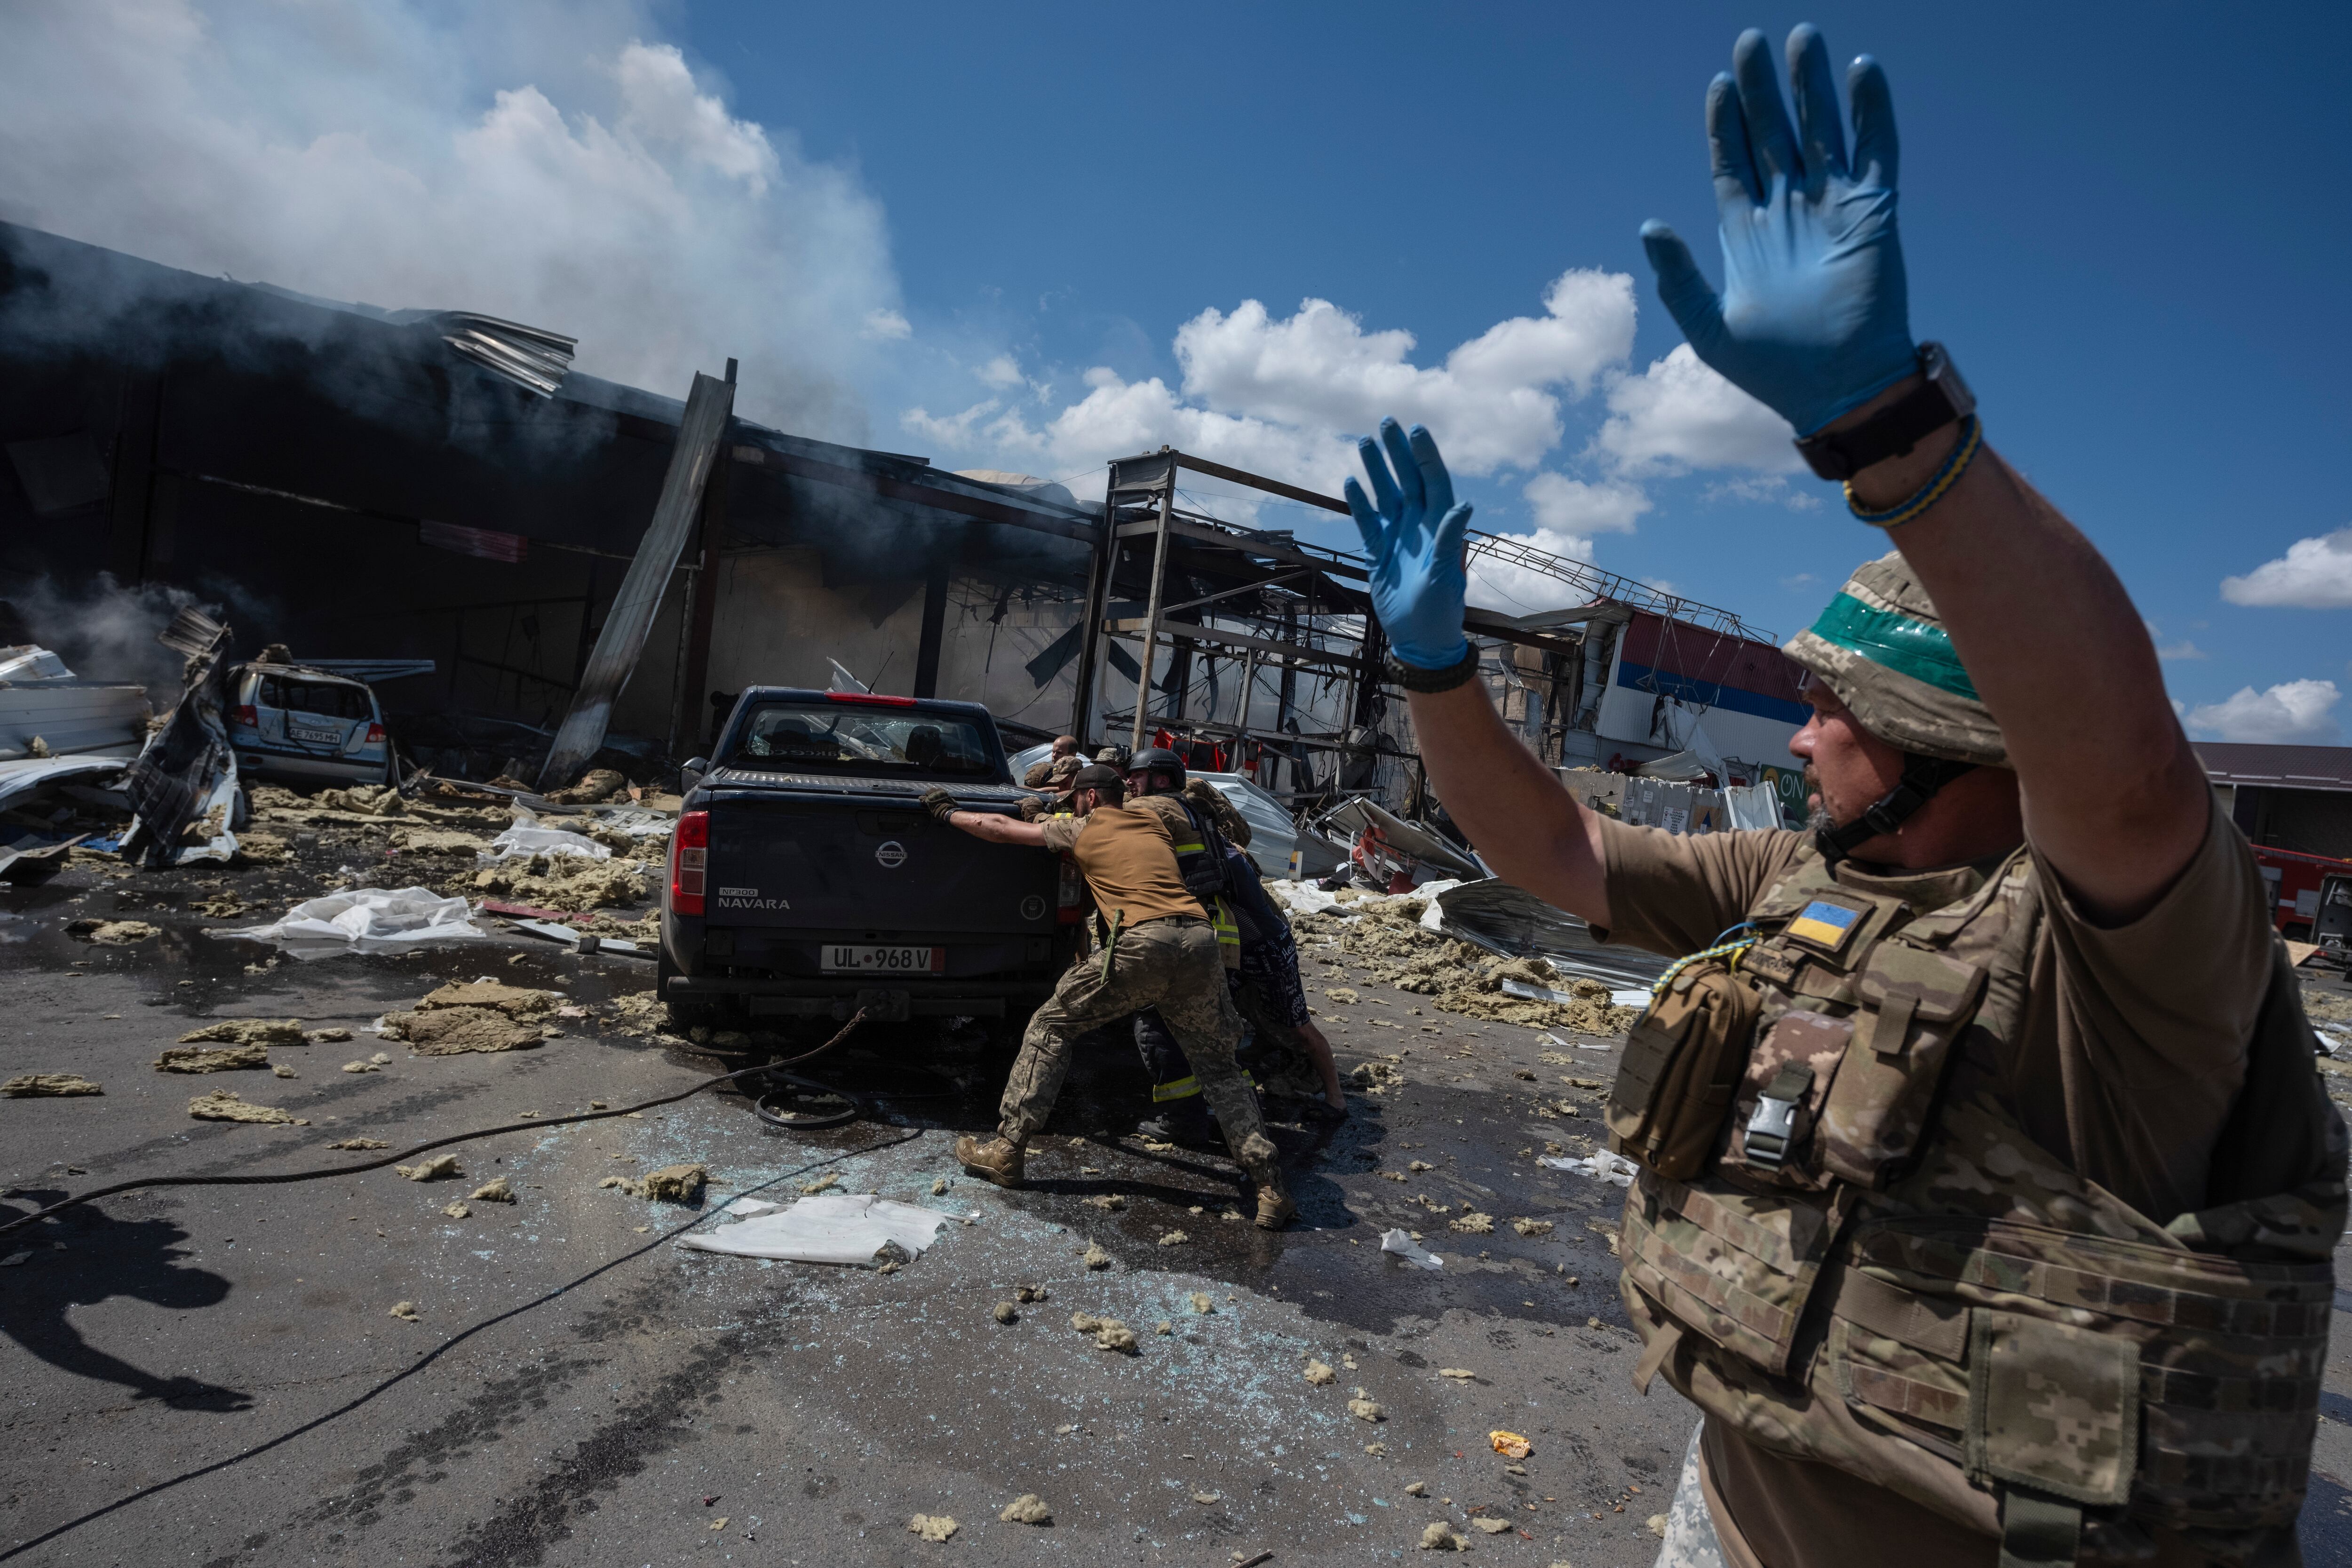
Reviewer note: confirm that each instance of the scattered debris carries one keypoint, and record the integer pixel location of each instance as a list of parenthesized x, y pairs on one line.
[(1604, 1166), (1006, 1313), (1363, 1409), (365, 919), (494, 1191), (1492, 1526), (850, 1229), (1110, 1202), (1378, 1078), (247, 1032), (1205, 1499), (1657, 1525), (1526, 1226), (334, 1036), (1342, 996), (197, 1058), (1096, 1258), (406, 1312), (456, 1210), (932, 1526), (1455, 1372), (227, 1105), (1027, 1509), (1440, 1537), (676, 1183), (363, 1067), (280, 1070), (433, 1170), (1319, 1374), (1202, 1303), (39, 1085), (1412, 1251), (1175, 1238), (1377, 1450), (939, 1187), (822, 1184), (112, 934), (1418, 1166), (1473, 1223), (1510, 1445), (1164, 1327), (1032, 1293), (473, 1015), (1417, 1489), (363, 1144)]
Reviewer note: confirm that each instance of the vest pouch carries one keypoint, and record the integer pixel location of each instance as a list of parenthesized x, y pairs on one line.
[(2175, 1387), (1682, 1066), (1914, 1004), (1735, 1267), (1788, 1079)]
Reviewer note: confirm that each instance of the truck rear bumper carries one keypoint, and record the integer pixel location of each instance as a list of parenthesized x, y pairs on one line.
[(815, 998)]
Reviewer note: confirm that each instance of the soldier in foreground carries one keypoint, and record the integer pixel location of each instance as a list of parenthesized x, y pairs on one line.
[(1159, 950), (1988, 1193)]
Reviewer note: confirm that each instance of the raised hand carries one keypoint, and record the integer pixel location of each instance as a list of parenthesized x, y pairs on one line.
[(1412, 536), (1814, 318)]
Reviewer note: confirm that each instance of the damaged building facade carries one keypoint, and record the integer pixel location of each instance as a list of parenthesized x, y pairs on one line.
[(361, 483)]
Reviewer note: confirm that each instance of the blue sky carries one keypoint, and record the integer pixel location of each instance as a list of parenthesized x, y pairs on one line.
[(2125, 222), (1028, 237)]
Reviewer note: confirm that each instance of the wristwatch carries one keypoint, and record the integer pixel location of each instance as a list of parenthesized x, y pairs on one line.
[(1940, 398)]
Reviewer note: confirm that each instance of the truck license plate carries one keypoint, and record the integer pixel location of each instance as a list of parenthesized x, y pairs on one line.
[(843, 959)]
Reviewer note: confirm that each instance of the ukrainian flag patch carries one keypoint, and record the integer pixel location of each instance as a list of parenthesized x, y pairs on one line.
[(1824, 925)]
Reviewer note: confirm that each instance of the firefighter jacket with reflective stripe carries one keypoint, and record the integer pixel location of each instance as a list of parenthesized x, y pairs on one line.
[(1865, 1261)]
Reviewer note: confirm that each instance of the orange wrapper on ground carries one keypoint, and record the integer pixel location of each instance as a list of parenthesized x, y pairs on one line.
[(1510, 1445)]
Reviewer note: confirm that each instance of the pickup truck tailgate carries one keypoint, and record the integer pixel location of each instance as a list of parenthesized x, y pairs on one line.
[(826, 863)]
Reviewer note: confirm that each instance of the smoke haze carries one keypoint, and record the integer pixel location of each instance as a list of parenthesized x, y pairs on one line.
[(541, 163)]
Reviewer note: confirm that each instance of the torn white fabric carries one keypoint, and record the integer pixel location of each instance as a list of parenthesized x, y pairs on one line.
[(1638, 998), (748, 1208), (1412, 1251), (365, 919), (1604, 1166), (527, 838), (832, 1227)]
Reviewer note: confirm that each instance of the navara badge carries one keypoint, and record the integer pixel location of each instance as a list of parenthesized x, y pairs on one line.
[(891, 855)]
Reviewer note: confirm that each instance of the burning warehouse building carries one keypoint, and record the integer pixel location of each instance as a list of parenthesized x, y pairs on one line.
[(357, 482)]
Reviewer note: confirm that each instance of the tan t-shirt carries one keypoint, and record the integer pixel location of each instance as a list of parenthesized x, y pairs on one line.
[(1129, 860), (2131, 1051)]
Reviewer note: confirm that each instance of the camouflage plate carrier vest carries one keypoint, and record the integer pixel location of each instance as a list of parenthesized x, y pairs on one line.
[(1875, 1267)]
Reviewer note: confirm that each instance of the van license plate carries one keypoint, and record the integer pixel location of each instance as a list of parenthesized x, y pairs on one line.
[(842, 958)]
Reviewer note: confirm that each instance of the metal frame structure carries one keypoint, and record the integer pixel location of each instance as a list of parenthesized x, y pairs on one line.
[(1271, 600)]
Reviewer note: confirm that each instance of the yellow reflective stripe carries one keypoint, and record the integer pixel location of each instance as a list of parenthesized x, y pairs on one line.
[(1178, 1089), (1229, 930), (1195, 847)]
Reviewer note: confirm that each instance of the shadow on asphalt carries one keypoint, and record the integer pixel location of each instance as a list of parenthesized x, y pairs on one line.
[(104, 1257)]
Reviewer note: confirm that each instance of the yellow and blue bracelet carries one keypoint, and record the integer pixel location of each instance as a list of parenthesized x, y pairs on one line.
[(1955, 464)]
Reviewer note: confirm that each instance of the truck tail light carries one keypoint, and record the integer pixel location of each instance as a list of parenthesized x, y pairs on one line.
[(247, 715), (689, 858), (1072, 895)]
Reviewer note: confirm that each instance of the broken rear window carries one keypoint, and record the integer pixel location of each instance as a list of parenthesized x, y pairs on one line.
[(327, 698), (847, 739)]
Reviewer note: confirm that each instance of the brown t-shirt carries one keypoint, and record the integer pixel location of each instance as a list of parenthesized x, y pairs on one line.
[(2131, 1049), (1129, 860)]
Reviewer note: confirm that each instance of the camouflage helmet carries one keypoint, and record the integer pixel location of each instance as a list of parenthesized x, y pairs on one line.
[(1883, 649)]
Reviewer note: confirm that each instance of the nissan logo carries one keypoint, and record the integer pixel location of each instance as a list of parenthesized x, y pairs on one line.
[(891, 855), (1032, 907)]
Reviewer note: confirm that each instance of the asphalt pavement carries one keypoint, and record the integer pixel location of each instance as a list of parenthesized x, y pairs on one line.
[(212, 1375)]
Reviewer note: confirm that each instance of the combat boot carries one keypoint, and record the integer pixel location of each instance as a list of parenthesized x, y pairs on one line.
[(1000, 1160), (1275, 1208)]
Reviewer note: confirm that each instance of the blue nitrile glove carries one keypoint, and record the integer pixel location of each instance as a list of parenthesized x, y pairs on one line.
[(1814, 319), (1412, 539)]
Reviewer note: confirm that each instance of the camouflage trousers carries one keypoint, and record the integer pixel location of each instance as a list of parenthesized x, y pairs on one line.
[(1172, 965), (1690, 1530)]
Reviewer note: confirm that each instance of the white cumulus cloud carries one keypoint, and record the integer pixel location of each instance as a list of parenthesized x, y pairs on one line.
[(2314, 575), (543, 162), (1678, 413), (1493, 402), (2295, 711)]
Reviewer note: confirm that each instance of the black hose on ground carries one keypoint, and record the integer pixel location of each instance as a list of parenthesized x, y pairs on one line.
[(795, 1124)]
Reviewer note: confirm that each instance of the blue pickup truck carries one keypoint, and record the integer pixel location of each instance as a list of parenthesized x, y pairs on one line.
[(806, 881)]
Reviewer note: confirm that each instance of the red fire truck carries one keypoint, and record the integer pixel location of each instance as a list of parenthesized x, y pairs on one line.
[(2293, 879)]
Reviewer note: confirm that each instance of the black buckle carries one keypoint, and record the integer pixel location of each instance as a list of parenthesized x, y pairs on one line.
[(1772, 1125)]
